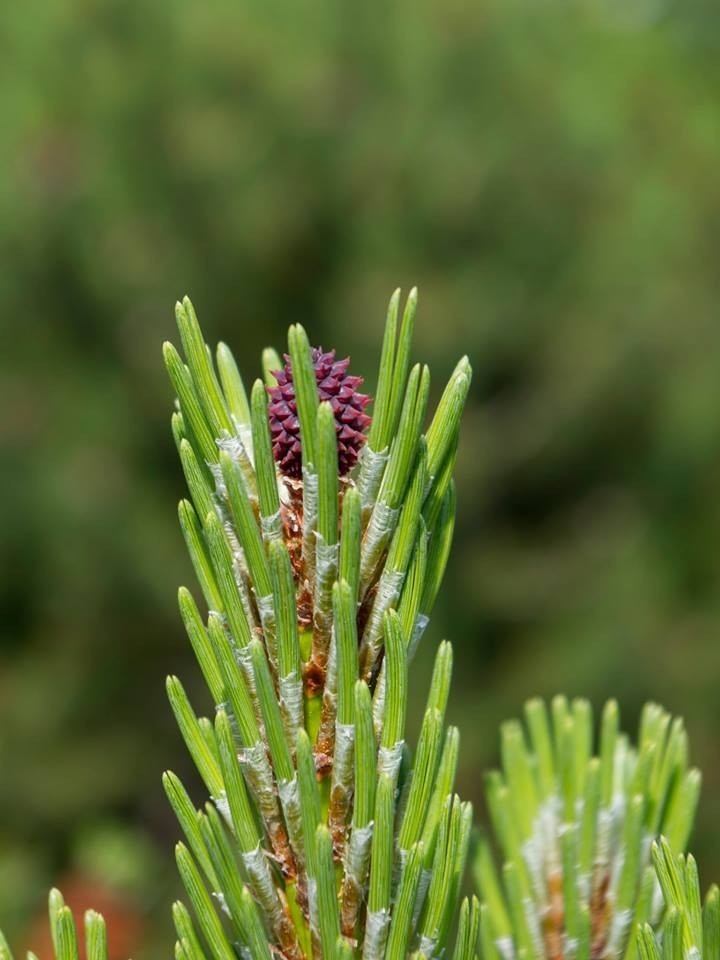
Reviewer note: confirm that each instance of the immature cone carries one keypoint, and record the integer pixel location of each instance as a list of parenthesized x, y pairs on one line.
[(334, 385)]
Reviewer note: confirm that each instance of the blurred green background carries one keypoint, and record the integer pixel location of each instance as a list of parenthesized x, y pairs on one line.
[(546, 171)]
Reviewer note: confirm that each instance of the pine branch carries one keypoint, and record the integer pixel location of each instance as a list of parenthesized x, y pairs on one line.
[(319, 552), (318, 576), (575, 832)]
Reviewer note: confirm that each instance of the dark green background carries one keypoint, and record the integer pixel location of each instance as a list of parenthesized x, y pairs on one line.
[(547, 173)]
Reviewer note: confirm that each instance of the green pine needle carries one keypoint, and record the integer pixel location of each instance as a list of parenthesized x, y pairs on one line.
[(381, 429), (271, 363), (199, 554), (201, 370), (205, 913), (245, 523), (264, 463), (327, 467), (232, 385), (306, 393)]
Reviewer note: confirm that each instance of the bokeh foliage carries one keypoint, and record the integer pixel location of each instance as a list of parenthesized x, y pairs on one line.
[(546, 172)]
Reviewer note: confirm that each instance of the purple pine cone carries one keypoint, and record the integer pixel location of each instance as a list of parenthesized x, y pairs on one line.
[(341, 390)]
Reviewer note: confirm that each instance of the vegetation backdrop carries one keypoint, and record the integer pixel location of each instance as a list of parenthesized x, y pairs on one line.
[(547, 173)]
